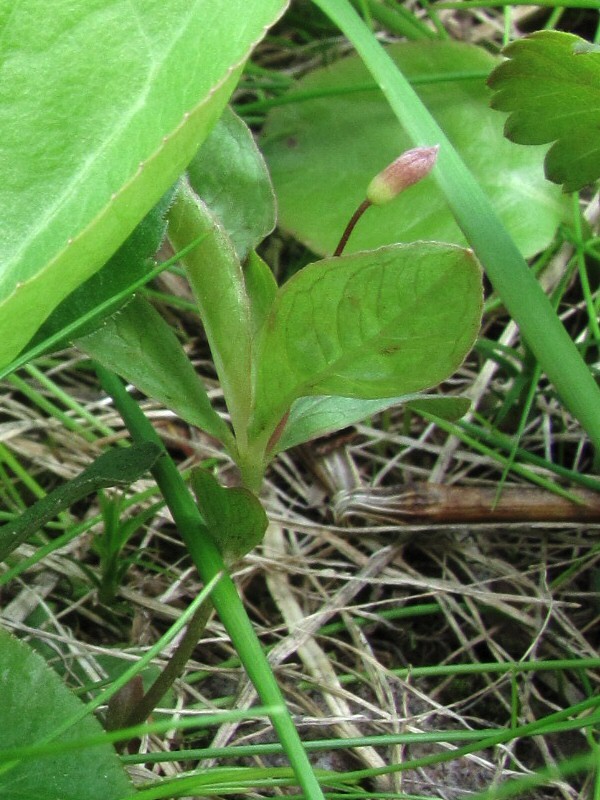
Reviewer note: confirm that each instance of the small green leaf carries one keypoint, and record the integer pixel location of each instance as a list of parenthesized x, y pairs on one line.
[(230, 175), (311, 417), (261, 288), (140, 346), (324, 150), (372, 325), (448, 408), (551, 86), (35, 702), (234, 517), (117, 467)]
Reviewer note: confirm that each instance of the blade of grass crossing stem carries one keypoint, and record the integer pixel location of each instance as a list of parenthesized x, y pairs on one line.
[(503, 263), (209, 563)]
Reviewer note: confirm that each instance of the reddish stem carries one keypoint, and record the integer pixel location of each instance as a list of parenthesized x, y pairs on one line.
[(350, 226)]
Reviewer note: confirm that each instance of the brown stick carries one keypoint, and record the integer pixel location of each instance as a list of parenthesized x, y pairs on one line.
[(435, 503)]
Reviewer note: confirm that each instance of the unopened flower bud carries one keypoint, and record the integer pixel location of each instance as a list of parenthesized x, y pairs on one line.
[(409, 168)]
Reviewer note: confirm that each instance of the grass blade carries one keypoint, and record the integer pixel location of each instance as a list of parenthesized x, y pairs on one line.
[(226, 600)]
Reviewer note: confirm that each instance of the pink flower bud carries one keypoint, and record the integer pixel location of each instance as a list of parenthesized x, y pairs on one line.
[(409, 168)]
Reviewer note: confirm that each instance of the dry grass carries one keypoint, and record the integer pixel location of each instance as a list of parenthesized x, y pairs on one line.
[(520, 592)]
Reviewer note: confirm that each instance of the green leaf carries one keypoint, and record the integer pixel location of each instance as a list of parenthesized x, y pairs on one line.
[(110, 287), (235, 518), (102, 106), (230, 175), (34, 703), (371, 325), (551, 85), (583, 46), (448, 408), (324, 151), (261, 288), (508, 272), (217, 280), (140, 346), (311, 417), (116, 467)]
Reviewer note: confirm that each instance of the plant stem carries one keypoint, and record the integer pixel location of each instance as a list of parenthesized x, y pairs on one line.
[(173, 670), (209, 563), (217, 281), (350, 226)]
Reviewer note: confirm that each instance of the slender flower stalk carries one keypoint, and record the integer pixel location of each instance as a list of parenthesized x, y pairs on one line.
[(350, 226)]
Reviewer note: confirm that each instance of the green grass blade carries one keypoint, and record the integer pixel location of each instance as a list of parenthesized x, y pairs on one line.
[(114, 467), (209, 563), (505, 267), (593, 4)]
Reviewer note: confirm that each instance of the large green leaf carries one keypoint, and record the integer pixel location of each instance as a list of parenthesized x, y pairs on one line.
[(371, 325), (34, 702), (140, 346), (323, 152), (230, 175), (101, 295), (102, 105), (551, 85), (507, 270)]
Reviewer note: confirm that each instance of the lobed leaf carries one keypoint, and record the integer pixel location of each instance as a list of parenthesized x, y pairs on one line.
[(102, 106), (371, 325), (550, 84)]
